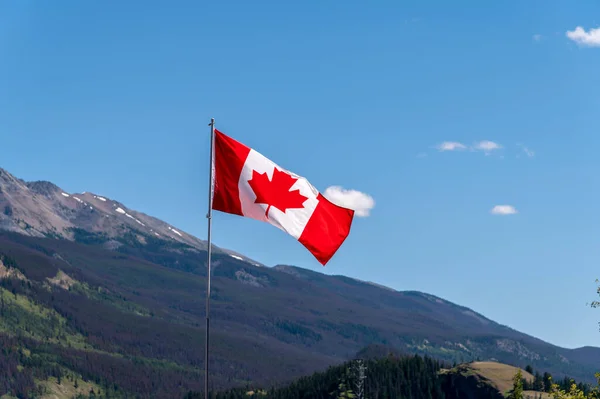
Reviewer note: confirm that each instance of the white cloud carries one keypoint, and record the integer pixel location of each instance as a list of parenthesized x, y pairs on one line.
[(530, 153), (361, 203), (503, 210), (451, 146), (590, 38), (486, 146), (537, 37)]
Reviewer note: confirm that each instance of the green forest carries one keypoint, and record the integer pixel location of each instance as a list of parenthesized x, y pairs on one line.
[(399, 377)]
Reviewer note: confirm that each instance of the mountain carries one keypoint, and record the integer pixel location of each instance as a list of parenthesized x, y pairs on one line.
[(96, 296), (42, 209)]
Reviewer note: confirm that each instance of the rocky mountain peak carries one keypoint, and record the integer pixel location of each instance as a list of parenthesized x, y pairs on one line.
[(8, 181), (43, 187), (43, 209)]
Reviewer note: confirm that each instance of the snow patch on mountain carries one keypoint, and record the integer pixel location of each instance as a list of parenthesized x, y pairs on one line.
[(175, 231)]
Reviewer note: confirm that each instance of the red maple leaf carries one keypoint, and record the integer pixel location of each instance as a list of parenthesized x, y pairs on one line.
[(276, 192)]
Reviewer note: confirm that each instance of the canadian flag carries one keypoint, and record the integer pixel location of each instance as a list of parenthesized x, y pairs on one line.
[(246, 183)]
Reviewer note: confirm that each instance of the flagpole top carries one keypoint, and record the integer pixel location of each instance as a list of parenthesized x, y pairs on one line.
[(212, 122)]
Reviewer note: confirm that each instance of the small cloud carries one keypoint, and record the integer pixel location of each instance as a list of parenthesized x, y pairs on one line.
[(537, 37), (360, 202), (530, 153), (451, 146), (422, 155), (486, 146), (503, 210), (590, 38)]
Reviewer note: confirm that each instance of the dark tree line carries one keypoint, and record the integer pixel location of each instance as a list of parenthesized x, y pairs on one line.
[(543, 382), (13, 380), (395, 377), (412, 377)]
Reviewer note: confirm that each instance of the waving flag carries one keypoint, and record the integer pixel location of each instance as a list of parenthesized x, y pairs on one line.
[(248, 184)]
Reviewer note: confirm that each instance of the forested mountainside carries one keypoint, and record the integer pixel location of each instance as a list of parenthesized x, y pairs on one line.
[(131, 320)]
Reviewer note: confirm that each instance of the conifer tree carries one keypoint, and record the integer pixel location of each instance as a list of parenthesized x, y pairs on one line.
[(517, 390)]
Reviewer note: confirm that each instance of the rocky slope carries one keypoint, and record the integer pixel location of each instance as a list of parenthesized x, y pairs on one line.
[(42, 209)]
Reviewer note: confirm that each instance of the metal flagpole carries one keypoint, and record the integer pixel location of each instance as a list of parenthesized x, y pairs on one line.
[(209, 217)]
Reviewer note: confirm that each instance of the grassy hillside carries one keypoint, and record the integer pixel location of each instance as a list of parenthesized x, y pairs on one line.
[(495, 379), (66, 388), (498, 374)]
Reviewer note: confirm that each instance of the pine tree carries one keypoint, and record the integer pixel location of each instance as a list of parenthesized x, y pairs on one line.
[(517, 390), (547, 382), (538, 382), (527, 385)]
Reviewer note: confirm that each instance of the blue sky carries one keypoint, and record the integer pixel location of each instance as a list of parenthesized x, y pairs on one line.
[(114, 98)]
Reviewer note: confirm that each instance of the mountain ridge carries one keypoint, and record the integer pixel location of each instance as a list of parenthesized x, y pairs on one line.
[(47, 188), (42, 209)]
